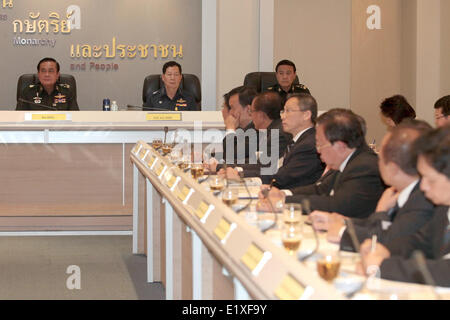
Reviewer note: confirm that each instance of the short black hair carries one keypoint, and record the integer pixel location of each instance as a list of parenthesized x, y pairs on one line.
[(397, 108), (399, 147), (228, 95), (285, 63), (171, 64), (48, 59), (342, 125), (246, 95), (306, 102), (434, 146), (443, 103), (270, 103)]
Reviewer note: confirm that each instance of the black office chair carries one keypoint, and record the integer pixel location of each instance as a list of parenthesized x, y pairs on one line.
[(189, 83), (32, 78), (262, 80)]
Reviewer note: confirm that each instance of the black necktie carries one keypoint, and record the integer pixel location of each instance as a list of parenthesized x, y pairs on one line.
[(288, 149), (393, 211), (336, 182)]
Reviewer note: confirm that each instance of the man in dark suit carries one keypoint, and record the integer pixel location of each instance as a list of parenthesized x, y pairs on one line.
[(240, 134), (354, 186), (402, 209), (300, 165), (396, 261), (271, 139)]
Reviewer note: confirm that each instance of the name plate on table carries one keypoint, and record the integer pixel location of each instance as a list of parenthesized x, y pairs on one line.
[(163, 116), (137, 148), (203, 211), (185, 193), (48, 117), (255, 259), (224, 229), (289, 289)]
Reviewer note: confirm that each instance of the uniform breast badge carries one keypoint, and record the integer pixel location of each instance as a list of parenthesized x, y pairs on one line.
[(37, 99), (60, 98), (181, 103)]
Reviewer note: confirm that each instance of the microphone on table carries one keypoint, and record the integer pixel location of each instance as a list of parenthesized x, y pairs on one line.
[(241, 176), (166, 129), (306, 205), (148, 108), (265, 193), (38, 104), (422, 265)]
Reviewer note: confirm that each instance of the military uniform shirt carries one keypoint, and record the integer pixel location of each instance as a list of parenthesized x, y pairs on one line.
[(295, 88), (60, 99), (182, 101)]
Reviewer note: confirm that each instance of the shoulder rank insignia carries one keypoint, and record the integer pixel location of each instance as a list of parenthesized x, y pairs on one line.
[(155, 92), (270, 88), (65, 85)]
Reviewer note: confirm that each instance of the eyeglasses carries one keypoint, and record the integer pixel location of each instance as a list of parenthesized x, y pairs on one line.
[(326, 145), (289, 111)]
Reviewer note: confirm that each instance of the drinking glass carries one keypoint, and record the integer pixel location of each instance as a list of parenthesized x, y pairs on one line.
[(230, 196), (216, 183), (196, 170), (292, 213), (291, 236), (157, 143), (328, 265)]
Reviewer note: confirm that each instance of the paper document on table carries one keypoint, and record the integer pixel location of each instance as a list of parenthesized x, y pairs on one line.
[(243, 194), (248, 181)]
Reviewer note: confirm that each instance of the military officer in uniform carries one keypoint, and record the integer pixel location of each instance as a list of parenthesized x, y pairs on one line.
[(286, 72), (48, 91), (171, 96)]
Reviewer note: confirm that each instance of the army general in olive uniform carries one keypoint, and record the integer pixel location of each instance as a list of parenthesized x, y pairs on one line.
[(286, 72), (48, 91), (171, 96)]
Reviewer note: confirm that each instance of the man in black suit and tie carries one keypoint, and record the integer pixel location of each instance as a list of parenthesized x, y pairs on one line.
[(271, 140), (396, 261), (300, 165), (354, 186), (402, 209)]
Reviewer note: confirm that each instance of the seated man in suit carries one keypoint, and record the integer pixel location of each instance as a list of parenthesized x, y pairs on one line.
[(49, 91), (442, 111), (353, 185), (271, 140), (285, 71), (402, 209), (239, 126), (171, 96), (396, 261), (300, 165)]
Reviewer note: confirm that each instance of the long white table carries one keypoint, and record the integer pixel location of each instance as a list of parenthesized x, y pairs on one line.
[(70, 171), (201, 249)]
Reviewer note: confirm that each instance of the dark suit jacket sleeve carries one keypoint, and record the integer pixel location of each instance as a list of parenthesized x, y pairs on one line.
[(406, 270), (361, 184), (303, 163)]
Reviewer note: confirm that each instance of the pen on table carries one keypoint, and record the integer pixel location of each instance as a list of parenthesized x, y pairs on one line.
[(374, 243), (265, 192)]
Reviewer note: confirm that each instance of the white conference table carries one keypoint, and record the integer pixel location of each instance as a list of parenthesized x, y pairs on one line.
[(177, 258)]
